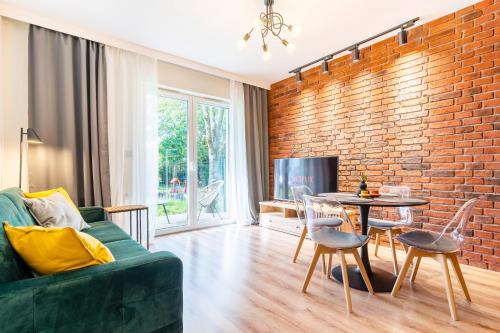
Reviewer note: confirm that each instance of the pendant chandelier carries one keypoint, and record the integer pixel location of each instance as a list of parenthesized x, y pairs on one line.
[(270, 23)]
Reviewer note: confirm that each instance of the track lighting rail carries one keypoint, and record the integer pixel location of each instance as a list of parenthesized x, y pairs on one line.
[(355, 46)]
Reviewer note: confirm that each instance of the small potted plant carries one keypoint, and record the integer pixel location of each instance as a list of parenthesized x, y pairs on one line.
[(362, 185)]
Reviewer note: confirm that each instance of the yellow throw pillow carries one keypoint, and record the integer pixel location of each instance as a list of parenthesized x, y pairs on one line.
[(47, 193), (53, 250)]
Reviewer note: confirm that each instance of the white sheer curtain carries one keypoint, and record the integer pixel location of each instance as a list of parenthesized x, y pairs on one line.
[(237, 162), (132, 91), (13, 100)]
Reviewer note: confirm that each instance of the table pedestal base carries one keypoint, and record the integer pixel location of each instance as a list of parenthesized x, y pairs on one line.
[(382, 281)]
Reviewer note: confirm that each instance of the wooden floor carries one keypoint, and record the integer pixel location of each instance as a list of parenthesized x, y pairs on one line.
[(241, 279)]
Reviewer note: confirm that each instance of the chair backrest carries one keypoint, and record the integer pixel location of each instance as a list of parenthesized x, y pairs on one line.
[(298, 193), (455, 229), (320, 211), (210, 192), (405, 215)]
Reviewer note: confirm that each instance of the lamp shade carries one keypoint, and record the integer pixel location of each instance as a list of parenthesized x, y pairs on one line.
[(32, 136)]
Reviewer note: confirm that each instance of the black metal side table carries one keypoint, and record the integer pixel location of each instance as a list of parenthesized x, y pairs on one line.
[(138, 209)]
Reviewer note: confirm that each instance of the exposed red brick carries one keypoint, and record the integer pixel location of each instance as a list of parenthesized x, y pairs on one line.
[(426, 114)]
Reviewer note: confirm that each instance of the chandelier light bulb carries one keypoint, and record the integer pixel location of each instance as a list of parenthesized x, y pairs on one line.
[(242, 43), (291, 47), (295, 30), (266, 55)]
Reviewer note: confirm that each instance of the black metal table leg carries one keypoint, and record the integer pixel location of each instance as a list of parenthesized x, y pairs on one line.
[(130, 225), (140, 226), (147, 230), (382, 281)]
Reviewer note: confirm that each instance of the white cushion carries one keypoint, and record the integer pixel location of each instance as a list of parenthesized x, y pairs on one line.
[(55, 211)]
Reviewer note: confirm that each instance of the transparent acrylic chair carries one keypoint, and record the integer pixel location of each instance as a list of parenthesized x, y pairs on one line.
[(330, 240), (298, 193), (402, 216), (441, 247)]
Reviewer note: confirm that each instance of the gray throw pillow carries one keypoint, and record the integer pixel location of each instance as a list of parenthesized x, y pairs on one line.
[(55, 211)]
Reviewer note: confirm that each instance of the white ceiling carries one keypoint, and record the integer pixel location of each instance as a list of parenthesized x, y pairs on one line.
[(207, 31)]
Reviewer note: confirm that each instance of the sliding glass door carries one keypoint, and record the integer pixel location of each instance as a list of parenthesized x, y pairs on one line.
[(173, 171), (192, 162), (211, 156)]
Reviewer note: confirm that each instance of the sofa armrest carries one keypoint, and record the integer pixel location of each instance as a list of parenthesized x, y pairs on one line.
[(93, 214), (141, 294)]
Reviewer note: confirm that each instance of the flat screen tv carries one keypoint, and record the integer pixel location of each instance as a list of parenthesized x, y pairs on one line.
[(319, 173)]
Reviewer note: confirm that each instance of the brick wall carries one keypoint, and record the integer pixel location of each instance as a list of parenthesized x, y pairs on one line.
[(425, 114)]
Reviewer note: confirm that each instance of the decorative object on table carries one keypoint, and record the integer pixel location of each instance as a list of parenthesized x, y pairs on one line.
[(365, 194), (390, 228), (332, 241), (442, 247), (55, 211), (374, 193), (54, 250), (270, 22), (31, 137), (362, 185), (138, 209)]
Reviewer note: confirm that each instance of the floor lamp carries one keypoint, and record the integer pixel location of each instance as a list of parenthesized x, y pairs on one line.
[(31, 137)]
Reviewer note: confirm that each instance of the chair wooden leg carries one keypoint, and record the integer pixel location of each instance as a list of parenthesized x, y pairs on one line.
[(323, 264), (377, 243), (449, 288), (345, 278), (393, 250), (415, 269), (299, 246), (330, 259), (362, 271), (404, 270), (458, 272), (314, 262)]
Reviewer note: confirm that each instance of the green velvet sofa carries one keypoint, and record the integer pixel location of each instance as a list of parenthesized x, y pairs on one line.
[(139, 292)]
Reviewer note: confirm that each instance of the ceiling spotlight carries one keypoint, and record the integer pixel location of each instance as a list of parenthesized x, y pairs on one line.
[(324, 67), (355, 54), (298, 77), (403, 37)]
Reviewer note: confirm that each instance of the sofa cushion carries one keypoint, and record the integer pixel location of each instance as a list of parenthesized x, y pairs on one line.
[(124, 249), (12, 210), (55, 211), (106, 232), (53, 250)]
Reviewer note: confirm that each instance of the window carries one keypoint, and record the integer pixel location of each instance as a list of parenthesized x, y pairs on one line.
[(192, 162)]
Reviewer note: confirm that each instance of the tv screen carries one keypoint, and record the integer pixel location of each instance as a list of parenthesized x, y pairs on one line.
[(319, 173)]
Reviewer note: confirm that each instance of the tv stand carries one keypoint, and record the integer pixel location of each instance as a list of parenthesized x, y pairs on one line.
[(282, 216), (286, 208)]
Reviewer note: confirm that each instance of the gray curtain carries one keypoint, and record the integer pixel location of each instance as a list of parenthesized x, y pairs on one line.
[(256, 131), (67, 108)]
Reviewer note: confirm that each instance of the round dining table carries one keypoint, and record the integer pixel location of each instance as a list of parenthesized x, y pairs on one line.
[(381, 280)]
